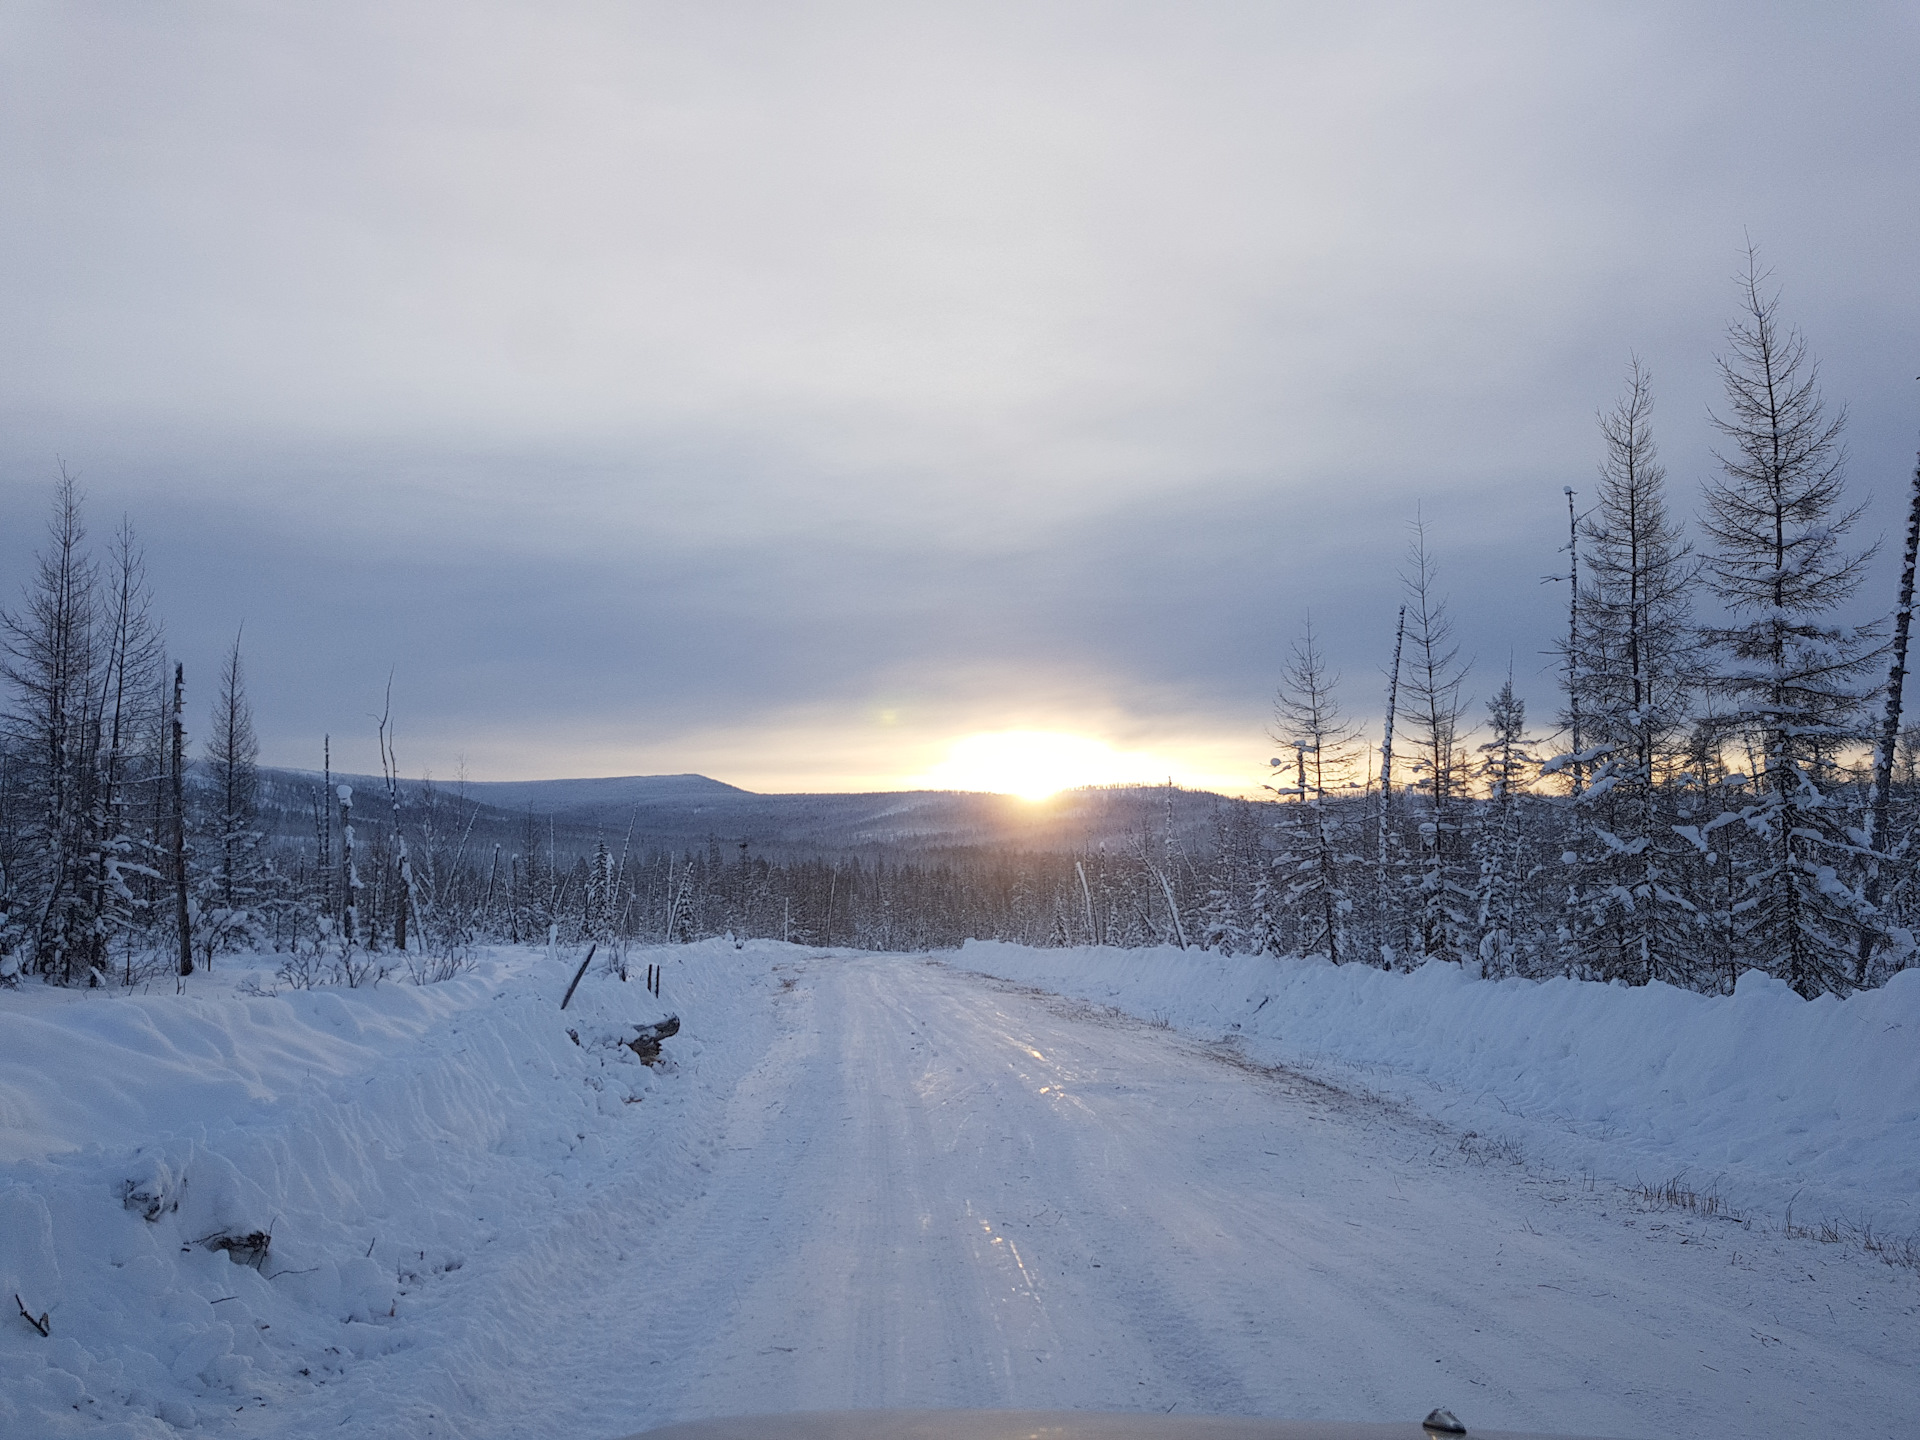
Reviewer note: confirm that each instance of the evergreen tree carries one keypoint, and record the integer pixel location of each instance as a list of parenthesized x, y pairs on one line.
[(1238, 917), (598, 894), (1500, 840)]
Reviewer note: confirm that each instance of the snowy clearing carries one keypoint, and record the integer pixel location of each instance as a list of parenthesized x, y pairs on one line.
[(864, 1180)]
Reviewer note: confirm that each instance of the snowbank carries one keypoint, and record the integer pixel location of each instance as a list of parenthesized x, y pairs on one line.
[(1761, 1093), (384, 1138)]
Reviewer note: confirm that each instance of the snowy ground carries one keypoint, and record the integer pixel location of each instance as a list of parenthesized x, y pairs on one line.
[(871, 1181)]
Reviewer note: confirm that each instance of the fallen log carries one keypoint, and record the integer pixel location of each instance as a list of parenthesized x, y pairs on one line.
[(646, 1043)]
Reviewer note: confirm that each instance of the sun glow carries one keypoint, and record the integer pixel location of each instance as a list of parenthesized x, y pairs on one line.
[(1035, 764)]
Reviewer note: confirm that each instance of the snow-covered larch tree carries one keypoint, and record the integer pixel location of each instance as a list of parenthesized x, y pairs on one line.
[(1430, 709), (232, 874), (50, 659), (1308, 722), (1792, 677), (1636, 676)]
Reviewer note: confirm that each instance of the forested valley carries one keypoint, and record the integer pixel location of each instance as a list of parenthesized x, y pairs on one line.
[(1727, 783)]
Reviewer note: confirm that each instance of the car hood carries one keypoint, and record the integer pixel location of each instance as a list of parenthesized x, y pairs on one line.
[(1051, 1425)]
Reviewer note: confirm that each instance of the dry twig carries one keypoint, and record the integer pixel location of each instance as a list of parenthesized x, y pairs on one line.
[(43, 1325)]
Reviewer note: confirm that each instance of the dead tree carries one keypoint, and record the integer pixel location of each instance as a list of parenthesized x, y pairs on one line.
[(1384, 897), (390, 773), (1435, 675), (182, 912), (1879, 816), (1574, 771), (349, 877)]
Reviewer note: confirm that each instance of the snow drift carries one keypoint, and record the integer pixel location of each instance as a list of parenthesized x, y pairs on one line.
[(382, 1138)]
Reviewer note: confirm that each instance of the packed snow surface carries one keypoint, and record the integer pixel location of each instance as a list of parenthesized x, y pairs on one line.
[(1105, 1180), (1768, 1099)]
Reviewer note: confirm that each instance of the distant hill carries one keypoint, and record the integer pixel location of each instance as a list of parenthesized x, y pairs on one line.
[(680, 812), (616, 791)]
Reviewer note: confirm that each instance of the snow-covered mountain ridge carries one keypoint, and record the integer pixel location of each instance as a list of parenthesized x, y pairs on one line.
[(689, 811)]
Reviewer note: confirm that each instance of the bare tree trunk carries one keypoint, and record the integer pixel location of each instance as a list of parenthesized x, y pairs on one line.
[(513, 904), (1323, 852), (1880, 803), (1573, 637), (1386, 738), (349, 881), (181, 914), (132, 653), (1386, 772), (326, 826), (1172, 871), (626, 847), (493, 870), (390, 772), (401, 906), (1179, 930)]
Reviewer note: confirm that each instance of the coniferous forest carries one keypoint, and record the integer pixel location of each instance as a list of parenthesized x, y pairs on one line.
[(1726, 785)]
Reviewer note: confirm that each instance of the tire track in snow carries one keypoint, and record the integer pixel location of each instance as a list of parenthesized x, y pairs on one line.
[(930, 1189)]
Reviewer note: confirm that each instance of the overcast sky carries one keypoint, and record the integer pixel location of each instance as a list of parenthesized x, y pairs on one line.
[(786, 392)]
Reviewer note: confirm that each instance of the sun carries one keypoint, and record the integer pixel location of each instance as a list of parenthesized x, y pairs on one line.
[(1032, 764)]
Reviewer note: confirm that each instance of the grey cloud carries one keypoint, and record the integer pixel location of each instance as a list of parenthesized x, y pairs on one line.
[(654, 369)]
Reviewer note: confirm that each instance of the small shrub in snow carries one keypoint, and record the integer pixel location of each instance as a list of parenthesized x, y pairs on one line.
[(1485, 1149), (1674, 1195), (360, 970), (432, 969), (354, 968), (304, 970)]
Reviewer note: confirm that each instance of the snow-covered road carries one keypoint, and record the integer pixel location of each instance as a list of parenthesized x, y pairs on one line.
[(928, 1188), (867, 1181)]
